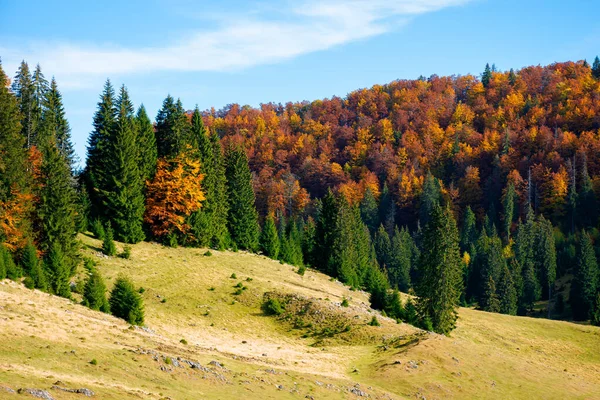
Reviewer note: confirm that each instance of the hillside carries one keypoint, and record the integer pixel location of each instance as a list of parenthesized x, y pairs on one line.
[(233, 350)]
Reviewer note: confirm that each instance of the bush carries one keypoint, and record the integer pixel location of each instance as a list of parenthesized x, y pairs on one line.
[(172, 241), (108, 244), (207, 253), (272, 307), (126, 254), (89, 264), (94, 293), (426, 324), (183, 341), (94, 361), (345, 302), (164, 300), (29, 283), (374, 321), (238, 291), (248, 279), (233, 276), (301, 270), (79, 286), (168, 361), (239, 285), (141, 290), (125, 302), (97, 229)]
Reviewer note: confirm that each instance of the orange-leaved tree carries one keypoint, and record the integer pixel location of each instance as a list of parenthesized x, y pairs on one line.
[(173, 195)]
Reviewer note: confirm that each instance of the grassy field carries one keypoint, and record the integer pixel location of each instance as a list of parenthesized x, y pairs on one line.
[(194, 317)]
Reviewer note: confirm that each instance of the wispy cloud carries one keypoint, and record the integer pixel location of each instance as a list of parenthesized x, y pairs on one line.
[(238, 42)]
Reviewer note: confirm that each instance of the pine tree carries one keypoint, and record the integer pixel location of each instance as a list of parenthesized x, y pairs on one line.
[(595, 317), (54, 125), (8, 269), (308, 241), (572, 201), (430, 197), (33, 267), (98, 173), (24, 91), (530, 290), (243, 218), (468, 233), (220, 202), (172, 128), (125, 302), (94, 293), (124, 197), (588, 208), (387, 210), (383, 247), (40, 90), (148, 153), (369, 211), (269, 240), (512, 77), (202, 220), (493, 263), (108, 244), (507, 293), (585, 282), (58, 272), (486, 76), (441, 273), (57, 208), (596, 68), (490, 303), (325, 233), (545, 256), (402, 252), (377, 285)]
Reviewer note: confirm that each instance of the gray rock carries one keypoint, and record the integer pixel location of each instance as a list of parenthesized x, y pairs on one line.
[(39, 393), (83, 391)]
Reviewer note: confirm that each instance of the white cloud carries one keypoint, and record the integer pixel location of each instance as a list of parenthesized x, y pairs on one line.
[(238, 42)]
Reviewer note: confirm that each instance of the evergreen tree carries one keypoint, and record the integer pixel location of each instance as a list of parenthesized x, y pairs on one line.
[(172, 129), (545, 256), (508, 203), (588, 208), (383, 247), (486, 76), (40, 90), (377, 285), (596, 68), (56, 209), (369, 211), (595, 317), (441, 273), (8, 269), (125, 302), (124, 197), (98, 173), (387, 211), (585, 281), (430, 197), (33, 267), (468, 233), (493, 263), (148, 153), (57, 272), (530, 290), (54, 125), (269, 240), (507, 293), (325, 233), (490, 301), (220, 202), (572, 202), (94, 293), (24, 91), (243, 218), (108, 244), (512, 77), (308, 241), (399, 265)]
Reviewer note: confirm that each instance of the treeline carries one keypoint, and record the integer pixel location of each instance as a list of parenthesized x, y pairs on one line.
[(367, 189)]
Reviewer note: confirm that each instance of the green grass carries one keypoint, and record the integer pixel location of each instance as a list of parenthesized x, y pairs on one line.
[(47, 339)]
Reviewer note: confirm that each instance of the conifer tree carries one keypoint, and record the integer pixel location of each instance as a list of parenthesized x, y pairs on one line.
[(490, 301), (588, 208), (508, 203), (108, 244), (54, 125), (243, 218), (124, 197), (33, 267), (148, 153), (94, 293), (383, 247), (220, 202), (585, 282), (8, 269), (325, 233), (308, 241), (525, 257), (595, 317), (572, 202), (486, 76), (125, 302), (24, 91), (57, 272), (430, 197), (387, 211), (377, 285), (545, 256), (493, 263), (57, 208), (403, 251), (40, 90), (172, 128), (98, 173), (468, 233), (369, 211), (507, 293), (269, 240), (441, 273), (596, 68)]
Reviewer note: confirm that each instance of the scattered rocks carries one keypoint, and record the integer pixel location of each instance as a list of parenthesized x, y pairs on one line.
[(6, 389), (39, 393), (280, 387), (83, 391), (455, 359), (216, 364), (271, 371), (357, 392)]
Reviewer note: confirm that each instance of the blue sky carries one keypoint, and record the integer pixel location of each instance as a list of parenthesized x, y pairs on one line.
[(250, 52)]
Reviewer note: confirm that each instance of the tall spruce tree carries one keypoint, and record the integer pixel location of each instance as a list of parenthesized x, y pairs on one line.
[(57, 272), (243, 218), (525, 257), (54, 124), (146, 140), (40, 90), (387, 210), (430, 197), (588, 206), (440, 268), (596, 68), (325, 232), (308, 241), (545, 256), (369, 211), (383, 247), (507, 293), (33, 267), (585, 281), (486, 76), (508, 204), (94, 293), (24, 90), (269, 240), (468, 232), (124, 197), (402, 252), (172, 128), (220, 202), (97, 172)]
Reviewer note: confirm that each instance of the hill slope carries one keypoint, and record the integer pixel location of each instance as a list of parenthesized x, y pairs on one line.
[(233, 350)]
